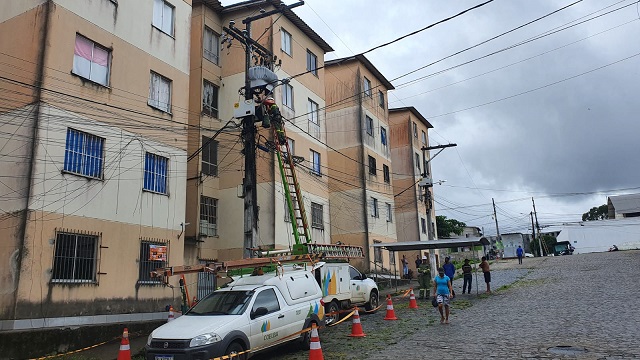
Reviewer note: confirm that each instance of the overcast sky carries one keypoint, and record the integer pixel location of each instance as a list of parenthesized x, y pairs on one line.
[(576, 136)]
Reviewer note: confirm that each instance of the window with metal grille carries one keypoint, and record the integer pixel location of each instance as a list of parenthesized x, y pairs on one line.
[(385, 171), (155, 173), (160, 93), (209, 156), (374, 208), (91, 61), (285, 41), (383, 136), (153, 255), (317, 216), (381, 99), (369, 123), (75, 258), (389, 212), (83, 154), (211, 46), (367, 87), (423, 225), (208, 216), (377, 252), (312, 63), (163, 16), (372, 165), (209, 99)]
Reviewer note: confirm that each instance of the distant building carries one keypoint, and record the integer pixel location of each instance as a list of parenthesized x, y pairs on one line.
[(599, 236), (510, 243), (624, 206)]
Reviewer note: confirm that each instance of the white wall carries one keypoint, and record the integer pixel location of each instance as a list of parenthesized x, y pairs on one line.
[(14, 8), (599, 236), (119, 196)]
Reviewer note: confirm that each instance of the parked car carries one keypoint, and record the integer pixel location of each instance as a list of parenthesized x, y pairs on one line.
[(251, 312), (528, 255)]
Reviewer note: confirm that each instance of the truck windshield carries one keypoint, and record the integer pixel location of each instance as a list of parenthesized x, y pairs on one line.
[(222, 303)]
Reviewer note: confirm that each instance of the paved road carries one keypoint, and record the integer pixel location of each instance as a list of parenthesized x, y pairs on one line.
[(587, 301)]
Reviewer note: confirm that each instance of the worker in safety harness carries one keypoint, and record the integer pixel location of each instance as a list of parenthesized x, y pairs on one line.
[(276, 118)]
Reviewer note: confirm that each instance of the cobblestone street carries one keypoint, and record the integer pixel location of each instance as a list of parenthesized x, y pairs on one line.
[(585, 301)]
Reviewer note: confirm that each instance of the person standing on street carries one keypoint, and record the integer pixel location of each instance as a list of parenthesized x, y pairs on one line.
[(520, 254), (418, 262), (468, 278), (442, 292), (405, 267), (484, 265), (450, 271)]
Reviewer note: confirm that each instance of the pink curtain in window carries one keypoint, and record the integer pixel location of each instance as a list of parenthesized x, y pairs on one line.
[(83, 48)]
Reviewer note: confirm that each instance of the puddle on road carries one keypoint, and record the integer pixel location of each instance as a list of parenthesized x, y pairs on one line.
[(567, 350)]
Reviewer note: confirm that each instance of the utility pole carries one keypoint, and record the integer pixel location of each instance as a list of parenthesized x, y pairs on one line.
[(248, 122), (537, 226), (533, 229), (495, 217), (427, 183)]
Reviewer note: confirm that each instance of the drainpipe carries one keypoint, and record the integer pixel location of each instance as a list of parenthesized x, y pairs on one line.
[(37, 97), (363, 173)]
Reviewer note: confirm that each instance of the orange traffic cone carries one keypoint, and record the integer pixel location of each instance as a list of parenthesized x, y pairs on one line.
[(391, 315), (171, 314), (315, 350), (413, 304), (125, 350), (356, 326)]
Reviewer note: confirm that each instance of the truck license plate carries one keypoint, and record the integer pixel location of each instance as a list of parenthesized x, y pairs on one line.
[(164, 357)]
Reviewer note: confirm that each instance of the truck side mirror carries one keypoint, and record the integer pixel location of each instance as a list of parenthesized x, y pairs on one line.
[(259, 312)]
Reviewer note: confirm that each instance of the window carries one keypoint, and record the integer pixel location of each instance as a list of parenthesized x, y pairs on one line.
[(372, 165), (417, 162), (415, 130), (312, 63), (312, 109), (267, 299), (292, 145), (75, 258), (155, 173), (163, 16), (153, 255), (385, 172), (91, 61), (209, 156), (317, 216), (354, 274), (211, 46), (160, 92), (369, 123), (208, 216), (389, 212), (392, 258), (383, 136), (287, 215), (377, 252), (423, 225), (286, 42), (374, 208), (315, 163), (287, 96), (367, 87), (424, 138), (83, 154), (210, 99), (381, 99)]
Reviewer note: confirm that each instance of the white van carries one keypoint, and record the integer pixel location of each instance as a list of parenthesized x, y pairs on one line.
[(252, 312), (343, 286)]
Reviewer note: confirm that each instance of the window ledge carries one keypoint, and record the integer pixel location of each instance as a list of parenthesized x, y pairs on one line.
[(154, 192), (150, 283), (67, 282), (89, 178), (82, 78), (161, 110), (162, 31)]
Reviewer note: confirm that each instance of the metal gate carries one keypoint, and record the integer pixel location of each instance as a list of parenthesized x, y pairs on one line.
[(206, 283)]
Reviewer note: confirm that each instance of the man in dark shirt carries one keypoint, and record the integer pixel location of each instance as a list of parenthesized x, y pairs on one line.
[(450, 271), (466, 273)]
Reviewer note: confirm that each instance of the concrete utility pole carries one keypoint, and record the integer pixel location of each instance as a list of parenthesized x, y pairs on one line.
[(495, 217), (533, 229), (537, 227), (427, 183), (248, 124)]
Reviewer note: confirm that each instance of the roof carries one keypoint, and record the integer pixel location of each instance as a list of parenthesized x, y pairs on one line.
[(624, 204), (433, 244), (215, 5), (288, 13), (367, 64), (415, 113)]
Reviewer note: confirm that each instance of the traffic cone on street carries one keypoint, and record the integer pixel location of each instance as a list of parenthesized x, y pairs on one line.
[(171, 314), (125, 350), (413, 304), (391, 315), (356, 326), (315, 350)]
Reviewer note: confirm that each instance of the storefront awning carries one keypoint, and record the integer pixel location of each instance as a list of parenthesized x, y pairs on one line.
[(433, 244)]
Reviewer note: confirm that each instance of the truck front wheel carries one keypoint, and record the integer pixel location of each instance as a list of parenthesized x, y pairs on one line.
[(373, 301), (234, 349), (332, 315)]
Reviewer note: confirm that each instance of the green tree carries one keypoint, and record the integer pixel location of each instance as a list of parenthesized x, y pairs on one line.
[(549, 240), (446, 227), (596, 213)]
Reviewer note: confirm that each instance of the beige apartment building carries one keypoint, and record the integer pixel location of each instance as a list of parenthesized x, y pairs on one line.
[(360, 165), (409, 134), (214, 181), (93, 158)]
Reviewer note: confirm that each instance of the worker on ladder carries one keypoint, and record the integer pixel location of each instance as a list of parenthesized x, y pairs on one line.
[(276, 118)]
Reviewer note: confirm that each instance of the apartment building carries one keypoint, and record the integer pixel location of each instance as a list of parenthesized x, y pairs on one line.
[(360, 170), (214, 183), (93, 117), (409, 134)]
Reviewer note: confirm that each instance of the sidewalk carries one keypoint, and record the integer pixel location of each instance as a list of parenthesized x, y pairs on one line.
[(110, 351)]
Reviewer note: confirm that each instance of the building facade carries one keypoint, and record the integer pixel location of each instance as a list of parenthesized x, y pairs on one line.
[(360, 172), (93, 159)]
